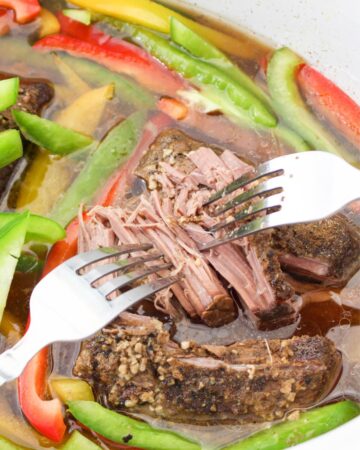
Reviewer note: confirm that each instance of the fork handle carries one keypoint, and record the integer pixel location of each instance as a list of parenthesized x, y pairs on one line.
[(14, 360)]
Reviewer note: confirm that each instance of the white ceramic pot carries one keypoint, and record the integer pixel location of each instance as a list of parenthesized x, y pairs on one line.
[(327, 34)]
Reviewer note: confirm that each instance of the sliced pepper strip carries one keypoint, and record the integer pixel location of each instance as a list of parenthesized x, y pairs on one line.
[(9, 89), (49, 23), (116, 55), (287, 101), (39, 229), (157, 17), (79, 442), (50, 135), (64, 249), (208, 78), (46, 416), (203, 49), (80, 15), (331, 102), (11, 147), (25, 10)]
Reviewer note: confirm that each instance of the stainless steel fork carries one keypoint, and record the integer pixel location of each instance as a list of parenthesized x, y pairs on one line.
[(296, 188), (67, 306)]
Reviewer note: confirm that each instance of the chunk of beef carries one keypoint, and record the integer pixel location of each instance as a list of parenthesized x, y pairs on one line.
[(33, 96), (181, 174), (134, 366), (327, 251), (171, 146)]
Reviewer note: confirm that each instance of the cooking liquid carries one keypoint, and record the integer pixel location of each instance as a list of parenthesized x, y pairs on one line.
[(327, 313)]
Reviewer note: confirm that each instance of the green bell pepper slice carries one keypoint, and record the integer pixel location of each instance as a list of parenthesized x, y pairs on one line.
[(79, 442), (49, 135), (118, 427), (309, 425), (80, 15), (207, 52), (9, 90), (39, 229), (288, 103), (201, 74), (185, 64), (199, 47), (110, 154), (12, 238), (11, 147)]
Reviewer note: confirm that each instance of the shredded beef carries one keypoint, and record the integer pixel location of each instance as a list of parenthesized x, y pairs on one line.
[(181, 173)]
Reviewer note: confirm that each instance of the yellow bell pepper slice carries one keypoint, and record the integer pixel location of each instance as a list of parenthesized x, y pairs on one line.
[(71, 389), (46, 179), (73, 83), (95, 100), (49, 23), (157, 17), (49, 176), (11, 328)]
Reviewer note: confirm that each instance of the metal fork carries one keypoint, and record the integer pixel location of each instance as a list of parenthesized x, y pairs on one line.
[(66, 306), (290, 189)]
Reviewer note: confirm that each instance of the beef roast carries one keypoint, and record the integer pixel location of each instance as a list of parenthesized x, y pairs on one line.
[(135, 366), (33, 96), (326, 251), (181, 174)]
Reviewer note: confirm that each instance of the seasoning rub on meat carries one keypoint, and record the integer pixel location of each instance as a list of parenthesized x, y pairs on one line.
[(134, 366)]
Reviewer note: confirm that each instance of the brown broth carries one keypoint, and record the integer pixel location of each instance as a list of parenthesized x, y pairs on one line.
[(321, 315)]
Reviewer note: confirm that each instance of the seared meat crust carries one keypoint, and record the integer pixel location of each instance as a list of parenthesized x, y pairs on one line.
[(170, 145), (334, 243), (136, 367)]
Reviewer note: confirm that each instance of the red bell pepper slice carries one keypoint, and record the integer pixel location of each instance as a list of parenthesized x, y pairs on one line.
[(173, 108), (116, 55), (331, 102), (46, 416), (93, 35), (78, 30), (25, 10), (65, 249)]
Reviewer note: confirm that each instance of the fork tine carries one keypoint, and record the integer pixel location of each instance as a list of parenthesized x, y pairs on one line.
[(122, 265), (263, 170), (84, 259), (123, 280), (129, 298), (247, 229), (273, 201), (268, 187)]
